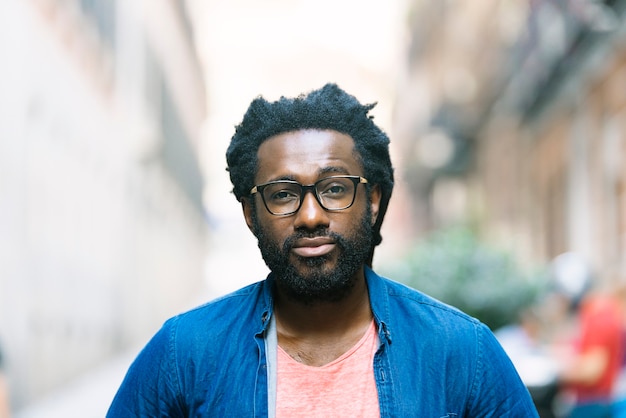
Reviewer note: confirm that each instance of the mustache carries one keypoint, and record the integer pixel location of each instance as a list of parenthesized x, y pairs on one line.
[(320, 232)]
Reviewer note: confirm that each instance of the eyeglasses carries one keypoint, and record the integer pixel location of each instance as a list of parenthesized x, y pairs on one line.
[(284, 197)]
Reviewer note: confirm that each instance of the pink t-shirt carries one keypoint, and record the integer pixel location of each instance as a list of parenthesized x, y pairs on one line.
[(344, 387)]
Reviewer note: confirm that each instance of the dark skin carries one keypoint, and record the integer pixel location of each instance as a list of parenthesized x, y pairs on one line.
[(315, 334)]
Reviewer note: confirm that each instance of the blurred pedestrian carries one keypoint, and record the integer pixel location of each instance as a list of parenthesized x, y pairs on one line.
[(591, 372), (523, 341), (590, 367), (619, 391), (4, 392)]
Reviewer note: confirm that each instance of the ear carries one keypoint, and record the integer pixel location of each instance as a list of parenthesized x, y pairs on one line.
[(247, 208), (375, 198)]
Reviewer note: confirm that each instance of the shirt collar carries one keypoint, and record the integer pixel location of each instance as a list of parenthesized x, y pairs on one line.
[(379, 302)]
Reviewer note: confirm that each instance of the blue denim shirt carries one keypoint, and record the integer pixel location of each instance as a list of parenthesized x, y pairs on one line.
[(433, 361)]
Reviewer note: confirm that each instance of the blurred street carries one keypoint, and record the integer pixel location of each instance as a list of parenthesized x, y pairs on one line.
[(88, 396)]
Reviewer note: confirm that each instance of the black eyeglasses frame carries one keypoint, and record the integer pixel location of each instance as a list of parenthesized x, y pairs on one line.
[(308, 188)]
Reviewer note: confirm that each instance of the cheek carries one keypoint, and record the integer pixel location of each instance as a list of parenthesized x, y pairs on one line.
[(278, 232), (349, 226), (274, 229), (360, 214)]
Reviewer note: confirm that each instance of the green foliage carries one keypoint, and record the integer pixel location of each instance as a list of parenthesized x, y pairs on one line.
[(454, 267)]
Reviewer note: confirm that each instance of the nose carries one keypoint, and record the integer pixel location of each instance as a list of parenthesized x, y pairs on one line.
[(311, 214)]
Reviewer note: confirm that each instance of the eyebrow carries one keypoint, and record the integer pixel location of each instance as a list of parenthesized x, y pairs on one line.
[(320, 173), (333, 170)]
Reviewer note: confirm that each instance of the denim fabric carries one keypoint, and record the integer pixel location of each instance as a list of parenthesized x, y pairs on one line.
[(433, 361)]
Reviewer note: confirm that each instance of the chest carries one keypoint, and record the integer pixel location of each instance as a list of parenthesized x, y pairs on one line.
[(345, 386)]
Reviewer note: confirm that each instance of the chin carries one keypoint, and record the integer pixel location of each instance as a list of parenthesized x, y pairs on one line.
[(316, 280), (326, 262)]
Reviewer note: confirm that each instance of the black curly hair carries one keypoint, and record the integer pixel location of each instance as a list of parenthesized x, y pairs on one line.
[(328, 108)]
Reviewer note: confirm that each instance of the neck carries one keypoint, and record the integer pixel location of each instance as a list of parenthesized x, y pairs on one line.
[(318, 334), (324, 318)]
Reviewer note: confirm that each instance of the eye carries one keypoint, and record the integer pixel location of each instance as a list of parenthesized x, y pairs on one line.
[(283, 195), (334, 189)]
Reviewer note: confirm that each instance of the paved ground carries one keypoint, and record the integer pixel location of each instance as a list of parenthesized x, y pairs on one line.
[(86, 397)]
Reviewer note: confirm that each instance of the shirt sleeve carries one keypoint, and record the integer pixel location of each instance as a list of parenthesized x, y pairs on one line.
[(151, 386), (497, 390)]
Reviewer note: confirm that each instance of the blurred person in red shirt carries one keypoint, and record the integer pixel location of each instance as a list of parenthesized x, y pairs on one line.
[(598, 353), (592, 361), (589, 370)]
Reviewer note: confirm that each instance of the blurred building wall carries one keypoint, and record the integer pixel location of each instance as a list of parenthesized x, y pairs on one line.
[(554, 171), (519, 128), (453, 61), (102, 228)]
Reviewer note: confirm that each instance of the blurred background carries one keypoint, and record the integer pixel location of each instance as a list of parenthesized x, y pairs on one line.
[(508, 127)]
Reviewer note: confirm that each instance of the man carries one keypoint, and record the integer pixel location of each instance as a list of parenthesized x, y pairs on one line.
[(322, 335)]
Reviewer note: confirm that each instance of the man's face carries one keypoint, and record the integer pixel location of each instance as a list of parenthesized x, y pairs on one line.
[(316, 255)]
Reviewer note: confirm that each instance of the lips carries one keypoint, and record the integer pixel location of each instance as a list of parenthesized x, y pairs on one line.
[(313, 247)]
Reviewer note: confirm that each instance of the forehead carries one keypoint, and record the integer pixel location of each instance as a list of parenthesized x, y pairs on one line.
[(306, 155)]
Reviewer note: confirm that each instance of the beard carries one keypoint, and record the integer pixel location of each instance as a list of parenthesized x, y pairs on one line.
[(314, 281)]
